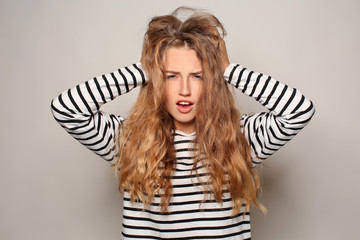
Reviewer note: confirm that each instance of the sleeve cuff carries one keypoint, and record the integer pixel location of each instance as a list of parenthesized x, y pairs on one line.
[(228, 71), (143, 71)]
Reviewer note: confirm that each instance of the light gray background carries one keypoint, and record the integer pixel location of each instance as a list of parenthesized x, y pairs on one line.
[(51, 187)]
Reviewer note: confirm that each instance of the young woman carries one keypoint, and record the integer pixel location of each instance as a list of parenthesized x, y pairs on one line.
[(185, 157)]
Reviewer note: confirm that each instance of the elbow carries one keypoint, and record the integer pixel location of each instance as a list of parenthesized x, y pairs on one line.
[(311, 109), (52, 106), (305, 114)]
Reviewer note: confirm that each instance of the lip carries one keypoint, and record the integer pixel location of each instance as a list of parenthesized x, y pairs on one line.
[(184, 108)]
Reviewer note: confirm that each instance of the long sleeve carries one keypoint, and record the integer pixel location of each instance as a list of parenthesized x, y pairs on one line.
[(289, 111), (77, 109)]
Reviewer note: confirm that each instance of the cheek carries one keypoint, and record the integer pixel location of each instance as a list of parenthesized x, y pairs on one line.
[(167, 92), (159, 94), (170, 89), (199, 90), (168, 96)]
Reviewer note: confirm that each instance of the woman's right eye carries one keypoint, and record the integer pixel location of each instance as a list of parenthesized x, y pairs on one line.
[(171, 76)]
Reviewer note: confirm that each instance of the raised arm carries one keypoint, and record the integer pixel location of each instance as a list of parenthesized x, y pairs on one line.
[(77, 109), (289, 110)]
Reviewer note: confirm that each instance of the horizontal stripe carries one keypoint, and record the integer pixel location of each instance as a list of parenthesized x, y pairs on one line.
[(189, 220), (174, 230), (224, 236)]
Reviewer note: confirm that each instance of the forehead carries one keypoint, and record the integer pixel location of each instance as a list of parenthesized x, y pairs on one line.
[(176, 58)]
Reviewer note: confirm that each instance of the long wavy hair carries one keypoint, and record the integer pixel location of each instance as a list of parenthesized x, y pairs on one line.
[(146, 148)]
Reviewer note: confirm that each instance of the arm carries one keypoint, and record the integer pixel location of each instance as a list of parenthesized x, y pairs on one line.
[(77, 109), (289, 111)]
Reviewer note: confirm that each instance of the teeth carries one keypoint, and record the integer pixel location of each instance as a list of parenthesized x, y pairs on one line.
[(184, 103)]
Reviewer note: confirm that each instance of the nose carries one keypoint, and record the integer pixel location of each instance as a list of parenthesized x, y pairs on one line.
[(185, 87)]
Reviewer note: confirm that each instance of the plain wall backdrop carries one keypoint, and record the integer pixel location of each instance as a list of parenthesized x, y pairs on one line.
[(51, 187)]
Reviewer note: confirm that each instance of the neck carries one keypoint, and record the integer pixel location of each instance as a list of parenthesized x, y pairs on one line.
[(185, 127)]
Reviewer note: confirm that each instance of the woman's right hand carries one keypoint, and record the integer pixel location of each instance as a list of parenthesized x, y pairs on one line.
[(223, 55), (219, 41)]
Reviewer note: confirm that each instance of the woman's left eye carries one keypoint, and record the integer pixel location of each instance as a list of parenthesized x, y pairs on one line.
[(198, 76)]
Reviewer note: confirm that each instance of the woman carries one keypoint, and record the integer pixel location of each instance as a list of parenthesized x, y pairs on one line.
[(185, 157)]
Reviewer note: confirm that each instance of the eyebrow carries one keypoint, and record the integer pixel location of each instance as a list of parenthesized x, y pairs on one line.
[(175, 72)]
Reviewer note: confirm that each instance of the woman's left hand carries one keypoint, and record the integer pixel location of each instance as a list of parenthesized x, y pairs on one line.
[(223, 55)]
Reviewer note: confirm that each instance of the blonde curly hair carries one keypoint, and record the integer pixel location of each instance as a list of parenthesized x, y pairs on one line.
[(147, 154)]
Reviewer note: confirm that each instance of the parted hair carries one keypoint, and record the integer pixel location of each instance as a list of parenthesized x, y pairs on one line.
[(146, 156)]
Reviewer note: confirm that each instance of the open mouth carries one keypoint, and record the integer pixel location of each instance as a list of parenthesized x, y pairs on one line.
[(184, 106)]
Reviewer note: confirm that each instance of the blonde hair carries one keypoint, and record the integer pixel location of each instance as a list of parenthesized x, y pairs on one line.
[(147, 154)]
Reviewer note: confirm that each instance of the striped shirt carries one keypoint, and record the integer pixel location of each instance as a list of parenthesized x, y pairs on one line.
[(77, 110)]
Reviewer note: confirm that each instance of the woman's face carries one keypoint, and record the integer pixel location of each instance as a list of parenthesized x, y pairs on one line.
[(183, 86)]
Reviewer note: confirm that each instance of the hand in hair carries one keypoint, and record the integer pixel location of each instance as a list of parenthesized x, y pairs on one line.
[(223, 55), (219, 41)]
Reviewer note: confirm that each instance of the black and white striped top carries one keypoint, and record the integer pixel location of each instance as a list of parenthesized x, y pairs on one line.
[(78, 111)]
